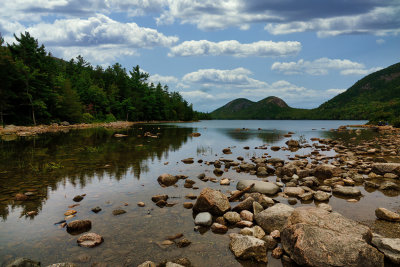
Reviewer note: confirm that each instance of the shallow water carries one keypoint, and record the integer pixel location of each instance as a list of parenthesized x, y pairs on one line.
[(119, 172)]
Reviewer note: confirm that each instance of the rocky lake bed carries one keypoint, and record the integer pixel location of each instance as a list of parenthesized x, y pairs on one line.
[(203, 194)]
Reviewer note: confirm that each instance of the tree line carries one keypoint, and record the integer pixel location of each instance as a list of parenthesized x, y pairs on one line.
[(36, 87)]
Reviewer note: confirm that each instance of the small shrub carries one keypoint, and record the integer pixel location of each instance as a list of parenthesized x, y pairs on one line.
[(110, 118), (87, 118)]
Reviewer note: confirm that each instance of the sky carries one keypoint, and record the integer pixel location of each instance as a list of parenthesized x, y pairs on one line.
[(214, 51)]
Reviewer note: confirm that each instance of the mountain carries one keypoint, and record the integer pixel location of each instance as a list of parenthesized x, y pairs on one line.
[(268, 108), (376, 97)]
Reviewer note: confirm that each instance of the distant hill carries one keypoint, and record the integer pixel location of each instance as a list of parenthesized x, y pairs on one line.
[(268, 108), (375, 97)]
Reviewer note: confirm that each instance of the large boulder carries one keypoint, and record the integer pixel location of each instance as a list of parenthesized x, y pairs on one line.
[(212, 201), (259, 186), (166, 179), (248, 247), (273, 218), (316, 237), (390, 247), (382, 168), (326, 171)]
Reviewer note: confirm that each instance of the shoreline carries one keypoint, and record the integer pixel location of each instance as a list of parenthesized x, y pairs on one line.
[(53, 128)]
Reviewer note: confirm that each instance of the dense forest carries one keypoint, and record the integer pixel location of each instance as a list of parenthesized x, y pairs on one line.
[(37, 87)]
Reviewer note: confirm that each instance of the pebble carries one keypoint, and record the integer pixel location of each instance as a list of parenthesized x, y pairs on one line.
[(141, 204)]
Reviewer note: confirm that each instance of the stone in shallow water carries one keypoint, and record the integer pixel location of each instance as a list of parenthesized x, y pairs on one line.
[(388, 246), (248, 247), (212, 201), (203, 219), (63, 264), (274, 218), (96, 209), (90, 240), (387, 215), (259, 186), (23, 262), (118, 212), (79, 226), (77, 198), (347, 191)]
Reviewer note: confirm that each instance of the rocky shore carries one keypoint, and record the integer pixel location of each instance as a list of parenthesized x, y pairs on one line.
[(257, 218)]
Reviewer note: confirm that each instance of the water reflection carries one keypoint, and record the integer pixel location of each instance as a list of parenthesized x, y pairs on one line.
[(34, 166), (248, 134)]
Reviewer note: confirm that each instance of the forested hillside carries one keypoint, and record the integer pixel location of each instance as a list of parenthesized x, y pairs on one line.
[(39, 88)]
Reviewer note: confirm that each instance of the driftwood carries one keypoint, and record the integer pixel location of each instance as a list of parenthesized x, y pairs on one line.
[(240, 193)]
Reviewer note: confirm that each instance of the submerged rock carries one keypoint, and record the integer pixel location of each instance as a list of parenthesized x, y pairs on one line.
[(347, 191), (90, 240), (247, 247), (382, 168), (219, 228), (79, 226), (315, 237), (326, 171), (387, 215), (118, 212), (166, 179), (203, 219), (23, 262), (78, 198)]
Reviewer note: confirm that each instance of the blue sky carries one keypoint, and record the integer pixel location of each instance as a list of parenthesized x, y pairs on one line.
[(213, 51)]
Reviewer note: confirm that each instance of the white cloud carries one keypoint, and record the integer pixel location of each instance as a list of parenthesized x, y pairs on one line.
[(321, 66), (378, 21), (98, 30), (234, 48), (156, 78)]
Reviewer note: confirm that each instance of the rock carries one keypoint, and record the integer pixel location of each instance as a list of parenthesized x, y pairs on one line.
[(21, 197), (382, 168), (188, 161), (77, 198), (63, 264), (326, 171), (306, 196), (292, 201), (225, 181), (219, 228), (325, 206), (161, 203), (188, 205), (32, 213), (166, 179), (232, 217), (275, 148), (79, 226), (390, 247), (321, 196), (387, 185), (270, 242), (96, 209), (246, 204), (172, 264), (293, 191), (247, 167), (183, 243), (147, 264), (259, 186), (258, 232), (248, 247), (167, 243), (212, 201), (203, 219), (90, 240), (157, 198), (141, 204), (275, 234), (70, 212), (195, 134), (257, 208), (118, 212), (218, 171), (277, 253), (246, 215), (242, 224), (347, 191), (226, 151), (292, 143), (274, 217), (387, 215), (315, 237), (191, 196), (23, 262)]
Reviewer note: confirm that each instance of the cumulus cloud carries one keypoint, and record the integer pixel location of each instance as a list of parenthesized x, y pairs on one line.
[(156, 78), (378, 21), (234, 48), (321, 66), (98, 30)]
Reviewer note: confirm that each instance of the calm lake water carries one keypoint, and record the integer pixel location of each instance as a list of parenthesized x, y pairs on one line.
[(120, 172)]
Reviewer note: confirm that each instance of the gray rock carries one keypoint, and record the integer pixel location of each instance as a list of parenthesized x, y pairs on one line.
[(387, 215), (326, 171), (23, 262), (203, 219), (247, 247), (382, 168), (270, 242), (321, 196), (259, 186), (274, 218), (315, 237), (390, 247), (232, 217), (347, 191), (212, 201), (306, 196), (293, 191), (387, 185)]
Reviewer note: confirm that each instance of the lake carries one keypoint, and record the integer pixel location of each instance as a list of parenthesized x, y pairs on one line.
[(120, 172)]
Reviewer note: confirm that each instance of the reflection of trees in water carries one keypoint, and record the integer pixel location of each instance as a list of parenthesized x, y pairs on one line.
[(244, 135), (48, 161), (348, 136)]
